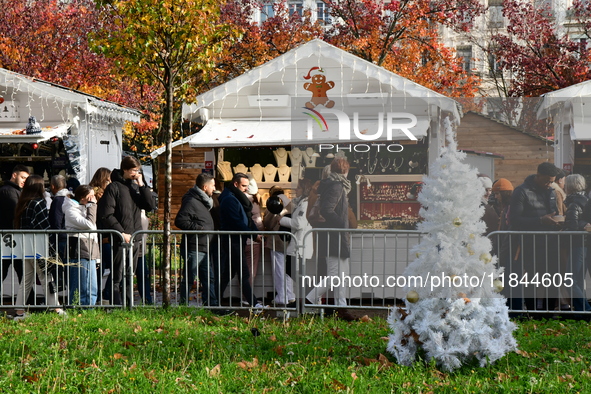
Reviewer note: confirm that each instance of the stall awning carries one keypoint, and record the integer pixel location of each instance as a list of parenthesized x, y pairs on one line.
[(237, 133), (9, 136)]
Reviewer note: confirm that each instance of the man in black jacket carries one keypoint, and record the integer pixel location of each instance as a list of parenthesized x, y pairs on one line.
[(194, 215), (9, 194), (533, 208), (236, 215), (120, 209)]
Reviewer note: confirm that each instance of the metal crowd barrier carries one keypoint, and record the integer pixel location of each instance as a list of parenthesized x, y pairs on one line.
[(226, 248), (369, 278), (545, 272), (50, 263)]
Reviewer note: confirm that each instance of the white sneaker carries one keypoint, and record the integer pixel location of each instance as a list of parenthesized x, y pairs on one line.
[(244, 302), (258, 308), (20, 317), (318, 301), (61, 312)]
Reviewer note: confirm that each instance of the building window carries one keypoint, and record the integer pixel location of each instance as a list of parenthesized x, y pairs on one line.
[(494, 65), (296, 7), (495, 16), (464, 53), (546, 7), (268, 11), (322, 13)]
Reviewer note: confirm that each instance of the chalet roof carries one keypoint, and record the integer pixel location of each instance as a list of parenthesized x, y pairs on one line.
[(60, 97), (319, 51), (574, 103), (511, 127), (265, 106)]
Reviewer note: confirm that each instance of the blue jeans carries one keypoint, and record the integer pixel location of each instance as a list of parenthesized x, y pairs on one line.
[(83, 281), (578, 260), (198, 261)]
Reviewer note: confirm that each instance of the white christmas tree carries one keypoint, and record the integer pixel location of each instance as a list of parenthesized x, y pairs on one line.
[(454, 312)]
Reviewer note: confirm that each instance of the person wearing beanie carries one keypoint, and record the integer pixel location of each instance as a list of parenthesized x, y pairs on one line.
[(490, 216), (533, 208), (502, 185)]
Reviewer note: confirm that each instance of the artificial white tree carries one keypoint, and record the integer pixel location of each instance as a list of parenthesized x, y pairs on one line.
[(454, 312)]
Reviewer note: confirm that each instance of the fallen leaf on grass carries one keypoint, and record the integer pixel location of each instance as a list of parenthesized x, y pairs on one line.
[(31, 378), (128, 344), (522, 353), (137, 329), (438, 374), (353, 375), (365, 318), (336, 385), (248, 364), (501, 376), (273, 338), (336, 334), (150, 376), (215, 371), (118, 356), (279, 350), (386, 339), (384, 361)]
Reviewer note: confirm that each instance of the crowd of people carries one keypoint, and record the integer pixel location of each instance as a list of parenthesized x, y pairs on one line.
[(549, 203), (76, 259), (218, 259)]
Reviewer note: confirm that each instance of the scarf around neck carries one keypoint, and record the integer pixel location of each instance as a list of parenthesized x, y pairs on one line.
[(342, 179), (244, 201), (207, 201)]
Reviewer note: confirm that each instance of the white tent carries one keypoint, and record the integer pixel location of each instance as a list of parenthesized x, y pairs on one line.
[(570, 111), (266, 106), (90, 127)]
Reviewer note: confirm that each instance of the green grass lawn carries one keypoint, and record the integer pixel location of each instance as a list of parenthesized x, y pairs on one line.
[(187, 350)]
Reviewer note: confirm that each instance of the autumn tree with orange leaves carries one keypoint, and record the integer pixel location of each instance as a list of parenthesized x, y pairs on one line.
[(50, 40), (401, 36)]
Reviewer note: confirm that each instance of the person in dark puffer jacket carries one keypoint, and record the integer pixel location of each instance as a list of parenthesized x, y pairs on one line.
[(575, 202), (120, 209), (9, 194), (533, 208)]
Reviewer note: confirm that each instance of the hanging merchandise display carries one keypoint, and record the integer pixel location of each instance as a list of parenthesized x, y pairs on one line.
[(225, 170), (284, 172), (310, 156), (295, 157), (269, 172), (281, 155), (257, 172), (297, 172), (240, 168)]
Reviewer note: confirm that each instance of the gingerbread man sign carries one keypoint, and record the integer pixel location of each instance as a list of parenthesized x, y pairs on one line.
[(319, 86)]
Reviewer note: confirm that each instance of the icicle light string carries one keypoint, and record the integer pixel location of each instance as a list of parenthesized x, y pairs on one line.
[(260, 82)]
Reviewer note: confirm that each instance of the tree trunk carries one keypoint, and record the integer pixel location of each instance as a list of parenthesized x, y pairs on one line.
[(167, 192)]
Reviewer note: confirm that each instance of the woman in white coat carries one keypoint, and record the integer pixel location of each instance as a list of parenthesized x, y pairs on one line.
[(83, 248), (298, 225)]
